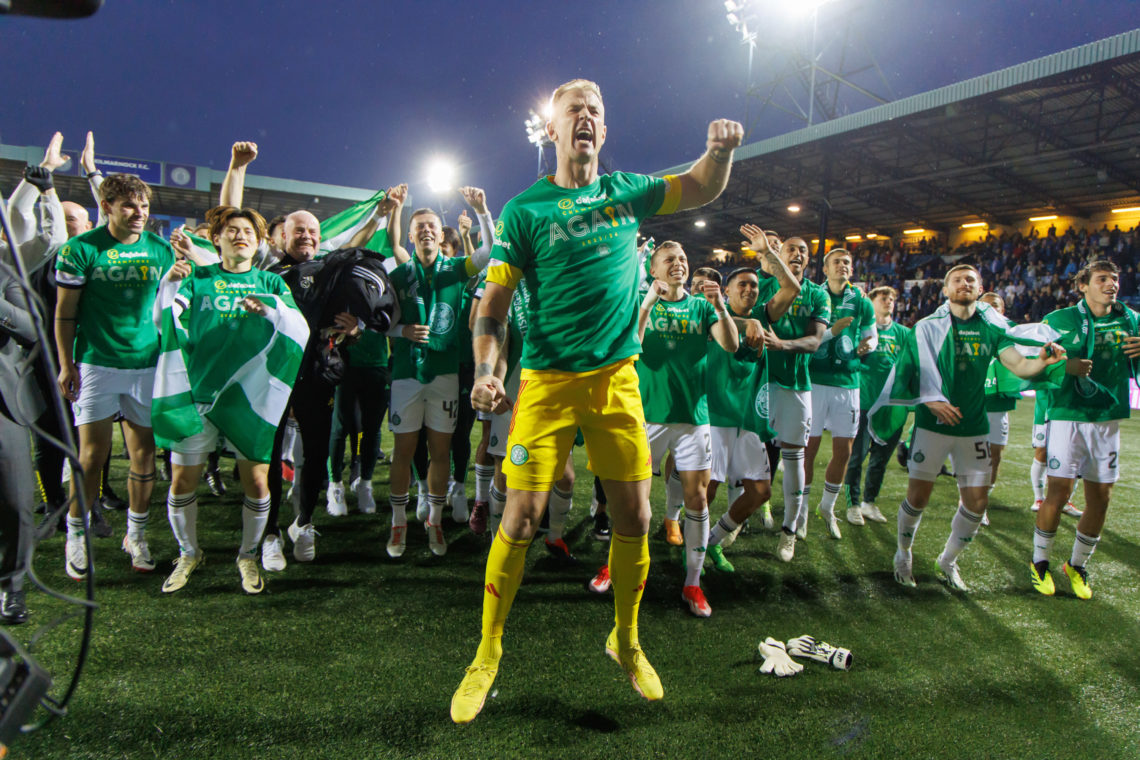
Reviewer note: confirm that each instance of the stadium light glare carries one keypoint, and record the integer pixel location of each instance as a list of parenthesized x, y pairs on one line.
[(853, 237), (973, 224), (440, 175), (699, 223), (1128, 210), (872, 235), (794, 208), (815, 240), (915, 231), (1046, 218)]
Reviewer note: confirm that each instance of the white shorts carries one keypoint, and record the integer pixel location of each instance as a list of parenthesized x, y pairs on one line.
[(999, 428), (790, 414), (834, 409), (103, 391), (415, 405), (969, 456), (501, 423), (1088, 449), (1040, 435), (691, 445), (737, 455), (195, 450)]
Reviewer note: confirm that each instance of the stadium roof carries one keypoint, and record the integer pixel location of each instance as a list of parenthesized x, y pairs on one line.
[(1056, 135), (185, 190)]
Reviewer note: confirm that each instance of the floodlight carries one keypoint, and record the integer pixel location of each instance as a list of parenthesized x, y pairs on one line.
[(699, 223), (440, 175), (795, 209)]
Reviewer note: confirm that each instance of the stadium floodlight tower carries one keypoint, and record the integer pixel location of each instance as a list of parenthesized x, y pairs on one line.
[(817, 73), (536, 135), (440, 180)]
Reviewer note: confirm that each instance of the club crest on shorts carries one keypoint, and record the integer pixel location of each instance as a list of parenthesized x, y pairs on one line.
[(919, 457), (519, 454), (395, 418), (494, 440), (1054, 463)]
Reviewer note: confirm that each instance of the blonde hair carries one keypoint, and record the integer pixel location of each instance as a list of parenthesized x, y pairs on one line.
[(574, 84)]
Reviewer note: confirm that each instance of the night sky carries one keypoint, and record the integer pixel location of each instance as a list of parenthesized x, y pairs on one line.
[(365, 93)]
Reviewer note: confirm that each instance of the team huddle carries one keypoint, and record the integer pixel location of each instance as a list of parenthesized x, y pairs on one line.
[(710, 380)]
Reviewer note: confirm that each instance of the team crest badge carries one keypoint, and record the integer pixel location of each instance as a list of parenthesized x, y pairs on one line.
[(1054, 463), (519, 454), (395, 418), (919, 457), (306, 281), (760, 403), (494, 440), (442, 318)]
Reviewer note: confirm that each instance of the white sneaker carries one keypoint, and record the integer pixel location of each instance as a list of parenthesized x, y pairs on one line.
[(435, 539), (832, 524), (457, 498), (140, 554), (949, 573), (904, 574), (730, 539), (786, 549), (397, 541), (364, 499), (354, 484), (1071, 510), (304, 538), (801, 531), (985, 518), (336, 505), (855, 516), (273, 554), (871, 512), (75, 556), (423, 506), (1036, 505)]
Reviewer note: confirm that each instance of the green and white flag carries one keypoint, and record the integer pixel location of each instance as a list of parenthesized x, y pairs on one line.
[(339, 229), (925, 367), (252, 398)]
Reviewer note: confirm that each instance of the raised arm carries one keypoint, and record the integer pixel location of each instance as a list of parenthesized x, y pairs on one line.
[(399, 194), (781, 301), (724, 332), (94, 176), (242, 154), (382, 209), (706, 179), (477, 199)]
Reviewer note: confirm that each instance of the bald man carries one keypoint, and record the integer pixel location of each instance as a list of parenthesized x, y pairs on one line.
[(76, 218)]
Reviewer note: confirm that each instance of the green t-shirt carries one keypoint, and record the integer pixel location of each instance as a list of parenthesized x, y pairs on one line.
[(878, 363), (1041, 407), (1104, 395), (976, 343), (577, 251), (217, 326), (370, 351), (836, 363), (996, 401), (786, 369), (737, 387), (432, 297), (672, 367), (115, 325)]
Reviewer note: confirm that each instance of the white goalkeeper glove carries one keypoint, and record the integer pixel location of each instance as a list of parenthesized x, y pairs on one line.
[(776, 659), (820, 651)]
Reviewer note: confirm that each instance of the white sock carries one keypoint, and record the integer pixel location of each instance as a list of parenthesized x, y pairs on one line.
[(723, 527), (674, 496), (1083, 548), (559, 508), (182, 511), (827, 503), (793, 460), (136, 524), (254, 517), (399, 502), (805, 504), (75, 527), (963, 528), (696, 541), (422, 488), (1037, 479), (909, 518), (483, 475), (289, 439), (1042, 544), (436, 504)]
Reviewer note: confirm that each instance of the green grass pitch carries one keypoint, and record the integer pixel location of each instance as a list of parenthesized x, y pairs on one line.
[(357, 655)]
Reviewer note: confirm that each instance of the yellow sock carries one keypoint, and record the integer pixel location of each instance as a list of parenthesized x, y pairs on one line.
[(504, 574), (629, 567)]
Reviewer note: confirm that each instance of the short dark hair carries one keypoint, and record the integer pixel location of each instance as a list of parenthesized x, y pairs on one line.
[(122, 187), (272, 224), (425, 210), (450, 235), (1100, 265), (737, 272), (219, 216), (709, 274)]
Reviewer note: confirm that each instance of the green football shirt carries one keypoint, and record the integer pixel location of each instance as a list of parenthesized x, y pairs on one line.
[(877, 364), (997, 401), (217, 325), (1103, 396), (431, 296), (576, 249), (115, 325), (836, 363), (786, 369), (671, 371), (975, 344)]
